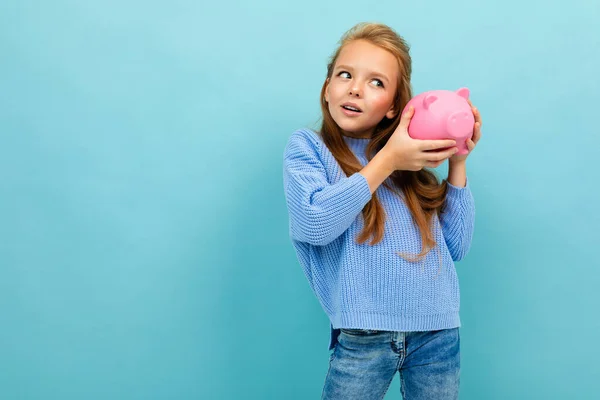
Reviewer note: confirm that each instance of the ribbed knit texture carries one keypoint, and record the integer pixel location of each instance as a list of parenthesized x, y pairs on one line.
[(360, 285)]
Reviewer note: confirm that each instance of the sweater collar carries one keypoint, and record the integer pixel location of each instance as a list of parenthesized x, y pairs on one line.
[(358, 146)]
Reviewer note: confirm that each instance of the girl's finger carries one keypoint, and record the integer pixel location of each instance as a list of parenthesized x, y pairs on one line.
[(477, 132), (405, 119), (426, 145), (433, 164), (471, 145), (477, 115)]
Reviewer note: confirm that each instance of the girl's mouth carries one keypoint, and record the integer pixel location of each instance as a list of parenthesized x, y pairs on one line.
[(351, 111)]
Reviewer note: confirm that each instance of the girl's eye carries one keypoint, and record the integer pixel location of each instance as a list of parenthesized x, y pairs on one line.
[(345, 74)]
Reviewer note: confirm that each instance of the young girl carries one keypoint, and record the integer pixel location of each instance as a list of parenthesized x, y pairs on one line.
[(376, 233)]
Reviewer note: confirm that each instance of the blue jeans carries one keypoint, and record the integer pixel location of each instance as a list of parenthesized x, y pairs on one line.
[(363, 363)]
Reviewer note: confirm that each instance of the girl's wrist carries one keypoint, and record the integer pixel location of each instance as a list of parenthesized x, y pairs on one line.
[(457, 173), (457, 163)]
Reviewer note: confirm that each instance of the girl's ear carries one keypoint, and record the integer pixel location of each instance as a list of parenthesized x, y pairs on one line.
[(391, 113), (327, 91)]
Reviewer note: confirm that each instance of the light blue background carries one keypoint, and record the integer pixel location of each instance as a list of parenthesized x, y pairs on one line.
[(143, 229)]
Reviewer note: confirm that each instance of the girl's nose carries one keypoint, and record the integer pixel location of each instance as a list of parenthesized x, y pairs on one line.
[(354, 92)]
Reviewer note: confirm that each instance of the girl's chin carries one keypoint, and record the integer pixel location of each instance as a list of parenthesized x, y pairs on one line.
[(354, 129)]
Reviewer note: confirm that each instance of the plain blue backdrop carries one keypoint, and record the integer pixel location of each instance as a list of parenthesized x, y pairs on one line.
[(144, 250)]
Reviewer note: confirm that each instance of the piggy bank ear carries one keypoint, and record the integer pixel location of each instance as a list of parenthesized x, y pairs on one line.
[(428, 100), (463, 92)]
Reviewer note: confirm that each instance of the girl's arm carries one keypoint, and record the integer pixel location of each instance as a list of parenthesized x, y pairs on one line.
[(319, 212), (458, 218)]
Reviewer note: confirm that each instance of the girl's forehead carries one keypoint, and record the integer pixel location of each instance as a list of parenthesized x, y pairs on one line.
[(369, 57)]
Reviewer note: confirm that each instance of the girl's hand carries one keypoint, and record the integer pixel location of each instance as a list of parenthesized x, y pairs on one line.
[(406, 153), (471, 143)]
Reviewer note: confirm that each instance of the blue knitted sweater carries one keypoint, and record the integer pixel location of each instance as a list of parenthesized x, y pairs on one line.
[(370, 286)]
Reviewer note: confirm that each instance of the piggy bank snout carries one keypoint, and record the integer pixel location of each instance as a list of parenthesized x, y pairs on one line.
[(460, 124)]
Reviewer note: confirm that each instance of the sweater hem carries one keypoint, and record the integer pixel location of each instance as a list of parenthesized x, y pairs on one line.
[(395, 323)]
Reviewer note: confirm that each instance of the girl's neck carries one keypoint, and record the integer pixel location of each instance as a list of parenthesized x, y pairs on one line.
[(359, 135)]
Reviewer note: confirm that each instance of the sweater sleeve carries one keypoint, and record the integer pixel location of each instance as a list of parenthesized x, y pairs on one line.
[(319, 212), (458, 220)]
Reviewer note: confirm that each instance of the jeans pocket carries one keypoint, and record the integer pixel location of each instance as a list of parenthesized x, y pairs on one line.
[(332, 354)]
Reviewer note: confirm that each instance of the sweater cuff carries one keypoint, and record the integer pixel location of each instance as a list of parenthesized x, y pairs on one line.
[(363, 192), (458, 193)]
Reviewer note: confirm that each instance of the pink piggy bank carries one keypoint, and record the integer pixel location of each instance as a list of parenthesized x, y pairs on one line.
[(442, 114)]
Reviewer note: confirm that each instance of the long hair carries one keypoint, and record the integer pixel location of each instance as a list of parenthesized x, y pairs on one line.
[(423, 194)]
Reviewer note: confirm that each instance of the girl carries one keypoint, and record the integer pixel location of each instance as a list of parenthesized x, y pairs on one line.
[(376, 233)]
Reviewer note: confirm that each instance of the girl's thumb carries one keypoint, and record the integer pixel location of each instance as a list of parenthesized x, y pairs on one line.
[(405, 119)]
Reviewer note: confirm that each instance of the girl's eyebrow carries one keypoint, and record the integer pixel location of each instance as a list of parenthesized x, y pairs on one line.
[(375, 73)]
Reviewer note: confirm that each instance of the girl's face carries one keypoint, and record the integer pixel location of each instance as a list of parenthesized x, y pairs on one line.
[(362, 87)]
